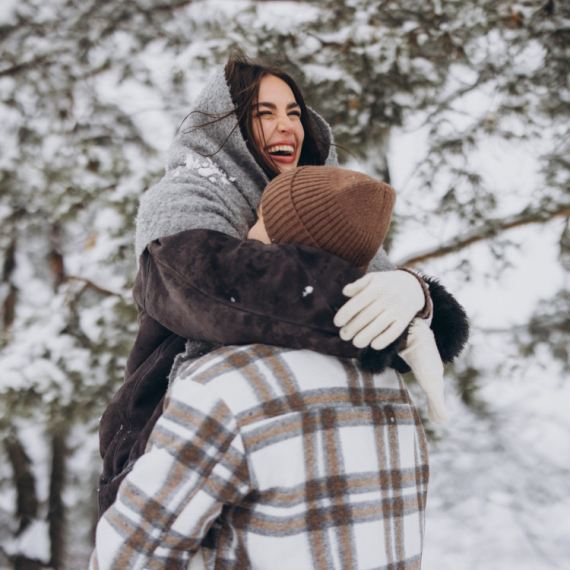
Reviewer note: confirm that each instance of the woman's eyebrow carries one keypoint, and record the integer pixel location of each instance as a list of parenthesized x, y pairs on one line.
[(273, 106)]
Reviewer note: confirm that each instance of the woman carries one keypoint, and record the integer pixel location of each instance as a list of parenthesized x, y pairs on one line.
[(286, 458), (194, 275)]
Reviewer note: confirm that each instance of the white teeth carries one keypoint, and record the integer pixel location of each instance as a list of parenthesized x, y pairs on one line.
[(282, 148)]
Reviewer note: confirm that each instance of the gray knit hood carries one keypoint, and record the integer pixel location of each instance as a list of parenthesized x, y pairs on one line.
[(218, 192)]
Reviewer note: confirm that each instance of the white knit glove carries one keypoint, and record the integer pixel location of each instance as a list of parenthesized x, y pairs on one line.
[(422, 356), (383, 304)]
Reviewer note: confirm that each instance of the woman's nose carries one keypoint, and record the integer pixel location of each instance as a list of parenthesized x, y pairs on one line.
[(285, 124)]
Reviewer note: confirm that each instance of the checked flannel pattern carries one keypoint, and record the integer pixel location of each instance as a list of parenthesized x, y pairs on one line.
[(272, 458)]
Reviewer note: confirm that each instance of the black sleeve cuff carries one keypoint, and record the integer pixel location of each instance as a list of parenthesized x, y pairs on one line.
[(450, 324)]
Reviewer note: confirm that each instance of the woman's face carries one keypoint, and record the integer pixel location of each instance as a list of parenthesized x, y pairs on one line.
[(277, 123), (258, 231)]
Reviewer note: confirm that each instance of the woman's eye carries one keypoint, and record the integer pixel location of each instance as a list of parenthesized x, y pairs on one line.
[(263, 113), (296, 113)]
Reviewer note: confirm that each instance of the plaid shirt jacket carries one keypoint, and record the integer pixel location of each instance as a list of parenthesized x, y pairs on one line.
[(272, 458)]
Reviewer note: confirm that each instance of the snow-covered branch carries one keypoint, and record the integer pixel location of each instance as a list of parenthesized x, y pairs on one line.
[(90, 285), (488, 230)]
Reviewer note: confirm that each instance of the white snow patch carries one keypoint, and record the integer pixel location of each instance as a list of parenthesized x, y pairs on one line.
[(7, 15), (308, 290), (287, 15), (324, 73), (32, 543), (207, 169)]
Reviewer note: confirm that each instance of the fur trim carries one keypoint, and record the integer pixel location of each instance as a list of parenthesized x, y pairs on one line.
[(450, 324), (376, 361)]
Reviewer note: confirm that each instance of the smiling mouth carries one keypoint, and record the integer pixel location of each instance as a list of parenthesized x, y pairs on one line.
[(281, 150)]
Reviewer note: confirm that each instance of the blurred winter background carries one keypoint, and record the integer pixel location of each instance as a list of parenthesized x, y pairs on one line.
[(463, 106)]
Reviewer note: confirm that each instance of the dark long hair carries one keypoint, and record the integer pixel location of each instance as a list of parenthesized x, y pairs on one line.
[(244, 76)]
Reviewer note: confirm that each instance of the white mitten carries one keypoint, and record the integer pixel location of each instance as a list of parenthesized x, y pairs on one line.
[(422, 356), (383, 304)]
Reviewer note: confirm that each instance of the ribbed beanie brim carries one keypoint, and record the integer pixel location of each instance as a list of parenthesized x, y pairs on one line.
[(340, 211)]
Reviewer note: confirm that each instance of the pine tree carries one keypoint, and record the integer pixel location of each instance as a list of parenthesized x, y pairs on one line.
[(91, 94), (74, 162)]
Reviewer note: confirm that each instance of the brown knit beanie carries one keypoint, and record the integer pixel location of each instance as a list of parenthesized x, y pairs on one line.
[(340, 211)]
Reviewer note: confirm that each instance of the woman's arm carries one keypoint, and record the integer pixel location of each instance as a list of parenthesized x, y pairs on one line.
[(206, 285), (201, 193)]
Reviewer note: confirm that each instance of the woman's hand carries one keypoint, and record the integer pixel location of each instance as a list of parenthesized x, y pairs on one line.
[(383, 304)]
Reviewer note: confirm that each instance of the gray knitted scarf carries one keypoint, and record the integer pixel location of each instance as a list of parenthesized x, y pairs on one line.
[(212, 182)]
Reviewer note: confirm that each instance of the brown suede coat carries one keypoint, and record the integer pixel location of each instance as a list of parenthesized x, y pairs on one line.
[(205, 285)]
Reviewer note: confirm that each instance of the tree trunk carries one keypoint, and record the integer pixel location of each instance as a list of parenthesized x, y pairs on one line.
[(24, 563), (9, 303), (55, 257), (26, 497), (56, 510), (24, 482)]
